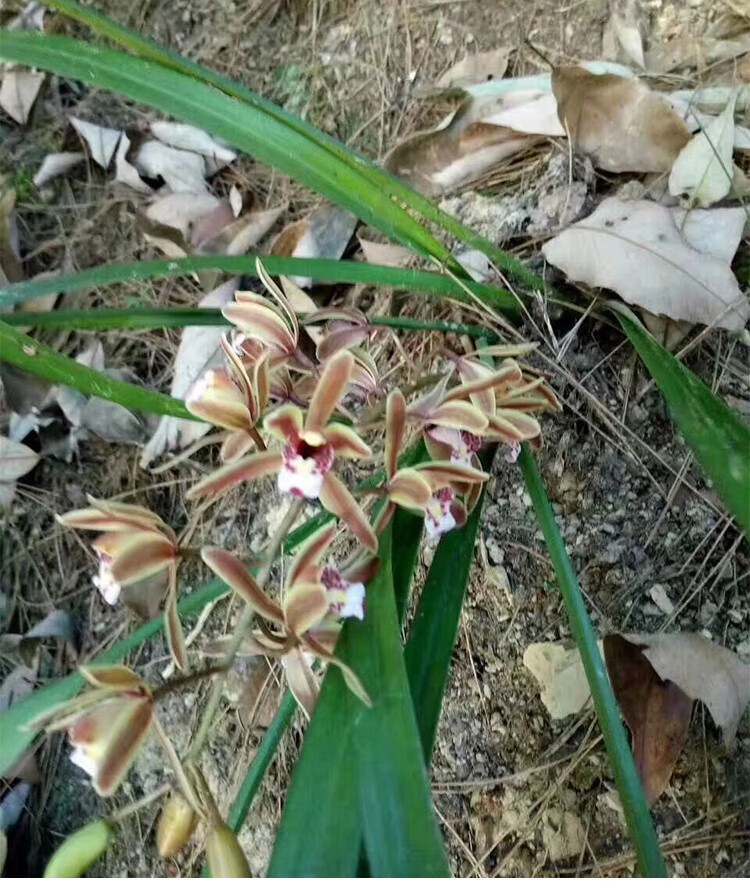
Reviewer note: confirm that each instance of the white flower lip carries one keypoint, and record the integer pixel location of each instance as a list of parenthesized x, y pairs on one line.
[(355, 599), (301, 477), (79, 757), (105, 582)]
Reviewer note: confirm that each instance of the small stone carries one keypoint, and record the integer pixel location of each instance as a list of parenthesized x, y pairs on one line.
[(660, 597)]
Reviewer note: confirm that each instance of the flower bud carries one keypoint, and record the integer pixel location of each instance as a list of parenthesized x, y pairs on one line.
[(80, 850), (176, 825), (225, 855)]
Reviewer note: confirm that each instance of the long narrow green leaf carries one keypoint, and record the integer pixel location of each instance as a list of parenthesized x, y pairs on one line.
[(149, 319), (718, 437), (30, 355), (628, 783), (385, 182), (434, 630), (248, 128), (375, 749), (408, 528), (322, 270)]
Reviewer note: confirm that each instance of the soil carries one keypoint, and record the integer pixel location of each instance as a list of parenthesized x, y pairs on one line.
[(518, 794)]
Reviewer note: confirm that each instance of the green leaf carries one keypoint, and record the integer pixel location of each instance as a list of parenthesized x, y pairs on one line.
[(370, 756), (322, 270), (407, 529), (30, 355), (640, 826), (715, 433), (434, 630), (148, 319)]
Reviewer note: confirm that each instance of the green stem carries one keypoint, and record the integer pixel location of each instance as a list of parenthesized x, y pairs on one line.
[(149, 319), (240, 631), (637, 815)]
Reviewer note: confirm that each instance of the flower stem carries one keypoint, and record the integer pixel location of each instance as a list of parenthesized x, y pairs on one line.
[(125, 811), (240, 631)]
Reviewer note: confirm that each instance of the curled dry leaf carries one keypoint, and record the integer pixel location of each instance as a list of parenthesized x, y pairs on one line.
[(704, 671), (55, 165), (703, 169), (636, 249), (199, 351), (476, 68), (656, 711), (323, 234), (622, 31), (101, 141), (189, 138), (182, 171), (619, 121), (456, 152), (16, 460), (19, 90)]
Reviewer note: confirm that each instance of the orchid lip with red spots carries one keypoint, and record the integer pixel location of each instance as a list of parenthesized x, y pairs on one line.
[(304, 467)]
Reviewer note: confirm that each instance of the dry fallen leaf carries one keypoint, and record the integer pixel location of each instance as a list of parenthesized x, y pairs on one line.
[(657, 713), (11, 270), (560, 674), (456, 152), (190, 138), (703, 169), (476, 68), (16, 460), (19, 90), (704, 671), (636, 249), (182, 171), (125, 171), (324, 234), (101, 141), (694, 52), (619, 121), (199, 351), (385, 254), (55, 165), (622, 31)]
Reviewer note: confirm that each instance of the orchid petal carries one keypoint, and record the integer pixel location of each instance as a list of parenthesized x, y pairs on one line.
[(459, 415), (336, 499), (329, 391), (174, 632), (345, 441), (244, 470), (304, 606), (350, 677), (311, 552), (140, 556), (285, 423), (234, 574), (301, 680), (444, 474), (236, 444), (261, 323), (409, 489), (395, 424), (115, 677), (336, 340)]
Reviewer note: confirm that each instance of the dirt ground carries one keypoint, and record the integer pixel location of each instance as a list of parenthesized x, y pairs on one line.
[(517, 793)]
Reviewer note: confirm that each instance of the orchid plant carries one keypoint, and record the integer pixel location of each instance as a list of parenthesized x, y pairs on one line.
[(295, 400)]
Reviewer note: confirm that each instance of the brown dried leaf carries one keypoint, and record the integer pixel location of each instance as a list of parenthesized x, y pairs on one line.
[(476, 68), (619, 121), (657, 713)]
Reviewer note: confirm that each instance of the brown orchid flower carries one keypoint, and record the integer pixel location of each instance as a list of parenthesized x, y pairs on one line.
[(348, 328), (235, 399), (310, 444), (269, 321), (316, 600), (135, 544), (106, 726), (428, 488)]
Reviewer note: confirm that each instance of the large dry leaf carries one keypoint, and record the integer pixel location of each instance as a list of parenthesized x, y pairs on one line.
[(700, 120), (703, 169), (31, 18), (704, 671), (476, 68), (101, 141), (11, 270), (531, 111), (16, 460), (458, 151), (199, 351), (236, 238), (19, 90), (622, 32), (717, 231), (619, 121), (184, 211), (182, 171), (636, 249), (657, 713), (125, 171), (393, 255)]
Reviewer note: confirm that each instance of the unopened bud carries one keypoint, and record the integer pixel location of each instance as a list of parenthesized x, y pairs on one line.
[(176, 826), (225, 855), (80, 850)]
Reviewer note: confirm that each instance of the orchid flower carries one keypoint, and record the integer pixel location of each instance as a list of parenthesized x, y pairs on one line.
[(106, 726), (235, 400), (428, 488), (310, 444), (316, 600), (269, 321), (349, 328), (135, 544)]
